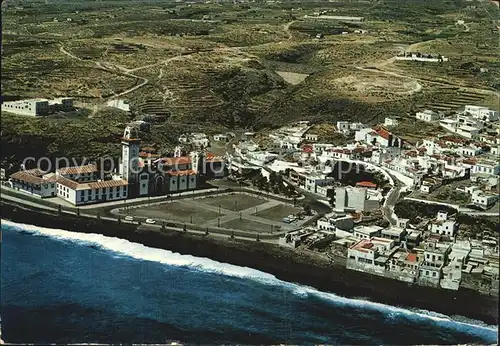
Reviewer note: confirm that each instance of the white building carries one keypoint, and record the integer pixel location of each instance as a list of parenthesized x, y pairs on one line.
[(179, 173), (484, 200), (311, 137), (356, 126), (467, 131), (452, 272), (314, 180), (444, 226), (435, 257), (382, 137), (343, 126), (79, 173), (221, 137), (486, 166), (34, 181), (482, 113), (91, 192), (35, 107), (364, 255), (355, 199), (130, 155), (341, 224), (390, 122), (427, 116), (367, 232), (470, 150), (449, 124), (467, 120), (38, 107)]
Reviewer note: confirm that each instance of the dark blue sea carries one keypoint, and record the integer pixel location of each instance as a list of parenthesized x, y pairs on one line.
[(67, 287)]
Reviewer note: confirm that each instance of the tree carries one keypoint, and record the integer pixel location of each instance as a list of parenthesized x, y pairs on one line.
[(273, 178), (279, 183), (307, 209), (289, 191)]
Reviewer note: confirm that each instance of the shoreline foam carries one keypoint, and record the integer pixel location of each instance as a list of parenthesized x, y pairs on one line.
[(280, 264)]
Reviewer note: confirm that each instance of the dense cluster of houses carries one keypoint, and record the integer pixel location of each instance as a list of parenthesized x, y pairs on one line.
[(425, 166), (429, 254)]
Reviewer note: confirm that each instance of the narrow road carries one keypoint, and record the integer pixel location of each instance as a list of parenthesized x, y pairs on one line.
[(32, 204), (286, 27), (391, 200)]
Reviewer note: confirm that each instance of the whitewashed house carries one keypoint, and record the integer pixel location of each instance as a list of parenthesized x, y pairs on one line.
[(483, 199), (34, 181), (390, 122), (482, 113), (91, 192), (443, 225), (427, 116)]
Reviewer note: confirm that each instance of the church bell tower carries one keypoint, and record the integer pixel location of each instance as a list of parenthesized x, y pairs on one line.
[(130, 155)]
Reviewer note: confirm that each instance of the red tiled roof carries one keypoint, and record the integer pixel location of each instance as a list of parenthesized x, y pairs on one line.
[(26, 177), (211, 157), (469, 161), (78, 169), (73, 185), (107, 183), (367, 184), (411, 257), (146, 154), (411, 153), (171, 161), (307, 148), (182, 173), (382, 133), (92, 185)]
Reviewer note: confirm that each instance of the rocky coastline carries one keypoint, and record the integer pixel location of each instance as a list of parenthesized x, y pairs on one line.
[(285, 264)]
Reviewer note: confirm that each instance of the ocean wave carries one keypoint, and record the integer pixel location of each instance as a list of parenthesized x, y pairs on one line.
[(140, 252)]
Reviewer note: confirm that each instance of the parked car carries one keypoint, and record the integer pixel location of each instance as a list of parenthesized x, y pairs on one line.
[(129, 218), (150, 221)]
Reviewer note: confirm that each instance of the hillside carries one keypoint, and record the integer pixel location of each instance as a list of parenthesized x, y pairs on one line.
[(211, 67)]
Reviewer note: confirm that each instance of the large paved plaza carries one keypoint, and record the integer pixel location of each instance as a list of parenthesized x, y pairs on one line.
[(233, 211)]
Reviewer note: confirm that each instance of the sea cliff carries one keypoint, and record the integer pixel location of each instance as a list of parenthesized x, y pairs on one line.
[(285, 264)]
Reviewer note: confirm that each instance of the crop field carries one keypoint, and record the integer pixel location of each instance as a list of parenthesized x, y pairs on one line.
[(257, 65)]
